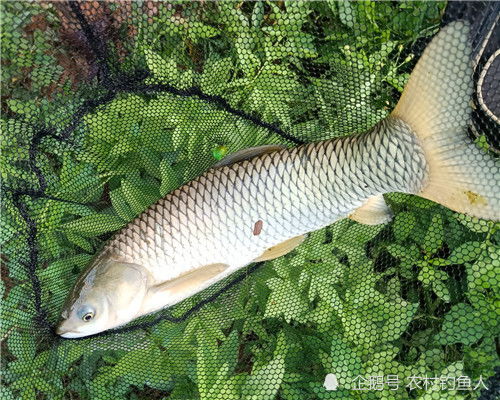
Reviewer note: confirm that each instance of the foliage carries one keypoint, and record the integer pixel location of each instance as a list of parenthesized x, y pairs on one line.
[(416, 296)]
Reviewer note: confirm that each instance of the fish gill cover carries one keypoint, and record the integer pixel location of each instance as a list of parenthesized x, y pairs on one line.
[(109, 106)]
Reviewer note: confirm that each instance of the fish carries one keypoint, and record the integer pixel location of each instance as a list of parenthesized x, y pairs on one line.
[(259, 203)]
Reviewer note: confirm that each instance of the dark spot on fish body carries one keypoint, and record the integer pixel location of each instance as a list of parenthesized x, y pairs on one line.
[(257, 228)]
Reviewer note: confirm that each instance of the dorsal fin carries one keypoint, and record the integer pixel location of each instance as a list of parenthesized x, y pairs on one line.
[(248, 153), (281, 249), (374, 211)]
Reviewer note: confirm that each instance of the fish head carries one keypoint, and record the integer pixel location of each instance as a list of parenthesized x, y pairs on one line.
[(108, 294)]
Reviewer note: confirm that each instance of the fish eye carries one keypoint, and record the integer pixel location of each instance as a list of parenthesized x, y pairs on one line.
[(87, 317), (86, 313)]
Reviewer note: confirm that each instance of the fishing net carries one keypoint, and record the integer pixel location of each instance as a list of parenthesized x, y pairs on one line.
[(109, 106)]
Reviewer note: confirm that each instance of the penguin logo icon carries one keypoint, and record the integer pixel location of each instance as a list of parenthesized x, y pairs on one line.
[(331, 382)]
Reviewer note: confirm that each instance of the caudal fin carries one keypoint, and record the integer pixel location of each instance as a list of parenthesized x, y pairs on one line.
[(436, 105)]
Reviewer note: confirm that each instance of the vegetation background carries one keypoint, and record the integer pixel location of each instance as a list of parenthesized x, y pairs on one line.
[(418, 296)]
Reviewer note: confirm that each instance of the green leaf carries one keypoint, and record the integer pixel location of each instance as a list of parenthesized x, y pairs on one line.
[(63, 265), (285, 300), (215, 76), (228, 351), (170, 178), (142, 366), (139, 195), (164, 69), (427, 273), (398, 316), (79, 241), (346, 13), (359, 328), (95, 225), (441, 289), (149, 161), (205, 371), (473, 223), (22, 345), (78, 209), (198, 30), (436, 278), (120, 205), (265, 382), (22, 107), (433, 239), (481, 274), (410, 253), (67, 353), (6, 393), (321, 278), (466, 252), (225, 386), (342, 361), (249, 62), (462, 324), (360, 233), (257, 14), (79, 181), (404, 223)]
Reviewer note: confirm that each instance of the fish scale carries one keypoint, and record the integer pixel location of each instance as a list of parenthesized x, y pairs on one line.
[(293, 191)]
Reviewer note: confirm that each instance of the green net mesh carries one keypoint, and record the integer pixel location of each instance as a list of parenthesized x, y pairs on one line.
[(109, 106)]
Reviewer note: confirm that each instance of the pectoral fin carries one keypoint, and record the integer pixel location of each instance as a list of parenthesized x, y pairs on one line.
[(190, 282), (175, 290), (373, 212), (248, 153), (281, 249)]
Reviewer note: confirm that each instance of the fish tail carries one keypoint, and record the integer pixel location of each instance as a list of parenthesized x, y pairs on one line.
[(436, 106)]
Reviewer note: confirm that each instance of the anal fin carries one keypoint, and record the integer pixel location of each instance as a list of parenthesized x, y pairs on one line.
[(373, 212), (246, 154), (281, 249)]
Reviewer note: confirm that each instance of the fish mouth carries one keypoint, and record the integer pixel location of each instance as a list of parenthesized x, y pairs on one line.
[(69, 334)]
